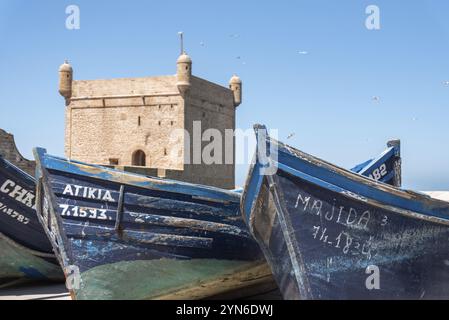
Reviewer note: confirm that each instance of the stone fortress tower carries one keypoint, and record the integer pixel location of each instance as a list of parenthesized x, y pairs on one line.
[(129, 123)]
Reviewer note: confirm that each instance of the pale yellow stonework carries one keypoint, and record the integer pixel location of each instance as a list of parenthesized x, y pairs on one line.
[(107, 121)]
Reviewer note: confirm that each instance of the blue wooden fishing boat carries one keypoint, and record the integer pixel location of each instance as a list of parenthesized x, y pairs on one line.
[(120, 235), (166, 211), (329, 233), (386, 167), (25, 251)]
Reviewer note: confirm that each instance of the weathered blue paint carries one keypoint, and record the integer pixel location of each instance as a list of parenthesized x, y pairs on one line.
[(20, 228), (386, 167), (320, 228), (180, 236)]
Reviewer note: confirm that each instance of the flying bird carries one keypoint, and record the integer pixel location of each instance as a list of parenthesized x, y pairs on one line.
[(291, 135), (303, 52)]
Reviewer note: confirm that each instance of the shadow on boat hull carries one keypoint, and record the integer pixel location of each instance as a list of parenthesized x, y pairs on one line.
[(125, 236)]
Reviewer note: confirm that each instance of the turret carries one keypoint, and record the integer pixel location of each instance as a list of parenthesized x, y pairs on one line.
[(235, 84), (65, 80), (184, 73)]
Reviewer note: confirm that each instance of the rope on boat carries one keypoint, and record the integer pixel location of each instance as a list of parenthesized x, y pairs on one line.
[(30, 251)]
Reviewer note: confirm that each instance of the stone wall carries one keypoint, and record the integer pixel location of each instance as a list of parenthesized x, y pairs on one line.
[(8, 150), (117, 125), (213, 105)]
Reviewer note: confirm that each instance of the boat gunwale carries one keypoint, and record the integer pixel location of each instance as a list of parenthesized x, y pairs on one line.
[(207, 193), (5, 165), (404, 193), (331, 168), (254, 164)]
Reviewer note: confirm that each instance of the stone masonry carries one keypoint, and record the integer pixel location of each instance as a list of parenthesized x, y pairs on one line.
[(8, 151), (129, 123)]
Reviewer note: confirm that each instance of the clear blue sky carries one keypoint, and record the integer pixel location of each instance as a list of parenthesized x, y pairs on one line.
[(324, 97)]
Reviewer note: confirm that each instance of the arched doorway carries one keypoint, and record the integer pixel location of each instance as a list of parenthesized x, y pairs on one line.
[(139, 158)]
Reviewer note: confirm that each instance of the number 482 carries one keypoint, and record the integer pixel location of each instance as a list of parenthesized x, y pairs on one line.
[(379, 173)]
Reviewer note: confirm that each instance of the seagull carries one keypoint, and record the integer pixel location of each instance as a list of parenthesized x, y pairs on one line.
[(446, 83), (375, 98), (202, 43), (303, 52), (291, 135)]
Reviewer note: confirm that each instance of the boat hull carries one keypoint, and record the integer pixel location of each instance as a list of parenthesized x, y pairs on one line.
[(330, 234), (26, 250), (136, 241), (19, 262), (171, 279), (336, 250)]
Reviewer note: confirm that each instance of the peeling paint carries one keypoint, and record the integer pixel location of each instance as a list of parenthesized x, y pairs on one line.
[(180, 223)]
